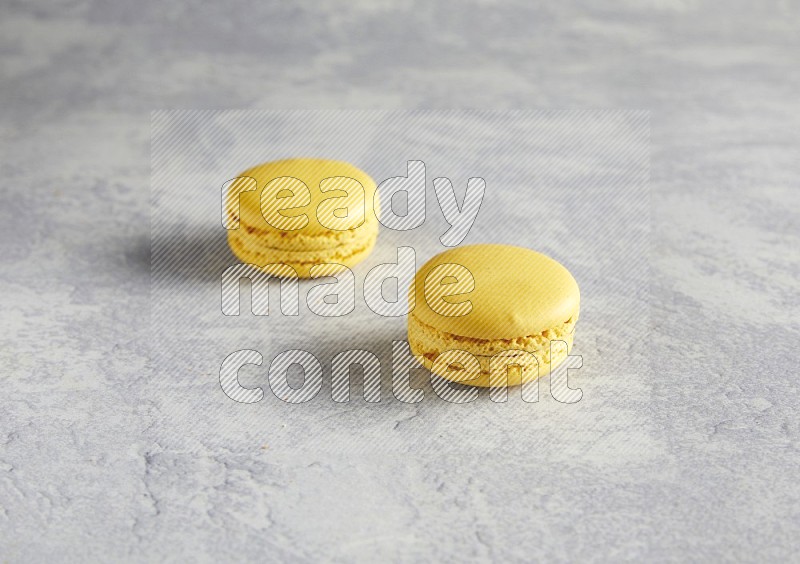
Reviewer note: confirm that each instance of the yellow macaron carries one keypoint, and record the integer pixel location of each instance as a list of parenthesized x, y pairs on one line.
[(500, 303), (302, 213)]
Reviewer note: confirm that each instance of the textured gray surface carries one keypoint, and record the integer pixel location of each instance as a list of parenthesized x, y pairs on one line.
[(702, 466)]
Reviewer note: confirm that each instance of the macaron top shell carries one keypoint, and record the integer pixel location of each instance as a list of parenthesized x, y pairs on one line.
[(322, 220), (517, 292)]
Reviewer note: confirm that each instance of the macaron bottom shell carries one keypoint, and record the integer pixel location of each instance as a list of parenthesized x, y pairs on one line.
[(251, 250), (427, 343)]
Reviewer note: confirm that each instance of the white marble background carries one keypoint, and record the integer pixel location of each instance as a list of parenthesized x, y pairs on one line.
[(705, 469)]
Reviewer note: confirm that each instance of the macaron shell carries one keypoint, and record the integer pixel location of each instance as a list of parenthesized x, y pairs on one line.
[(517, 292), (428, 343), (311, 172), (512, 376), (251, 252)]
